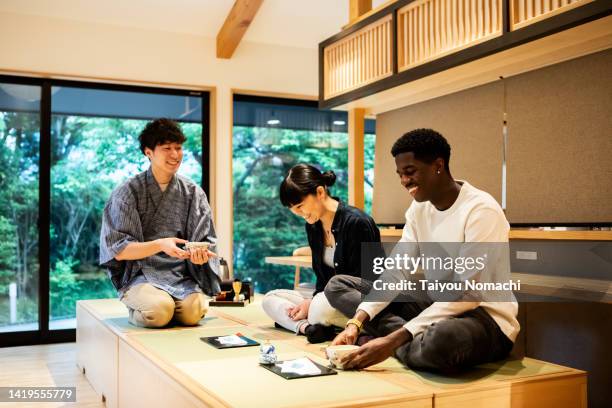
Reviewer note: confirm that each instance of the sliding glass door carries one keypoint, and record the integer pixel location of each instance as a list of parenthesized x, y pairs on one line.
[(71, 143), (19, 181), (94, 148)]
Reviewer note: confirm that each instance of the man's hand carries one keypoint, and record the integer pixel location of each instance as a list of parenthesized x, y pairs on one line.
[(347, 336), (200, 256), (375, 351), (168, 246), (300, 311)]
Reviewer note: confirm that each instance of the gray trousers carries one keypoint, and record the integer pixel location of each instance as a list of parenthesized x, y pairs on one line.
[(447, 346)]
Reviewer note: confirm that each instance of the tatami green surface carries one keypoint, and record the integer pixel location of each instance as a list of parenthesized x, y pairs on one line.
[(235, 376), (241, 382), (224, 371), (185, 345), (252, 313), (115, 314), (122, 325), (502, 371), (104, 308)]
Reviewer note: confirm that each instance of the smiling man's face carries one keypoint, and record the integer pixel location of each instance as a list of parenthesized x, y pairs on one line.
[(416, 176), (166, 157)]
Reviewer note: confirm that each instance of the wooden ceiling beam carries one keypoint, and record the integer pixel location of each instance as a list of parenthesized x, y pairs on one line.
[(357, 8), (235, 25)]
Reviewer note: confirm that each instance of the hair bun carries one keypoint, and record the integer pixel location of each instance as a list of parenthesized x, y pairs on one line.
[(329, 177)]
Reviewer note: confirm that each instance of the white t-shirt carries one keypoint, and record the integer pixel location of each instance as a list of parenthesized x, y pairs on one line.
[(474, 217), (328, 255)]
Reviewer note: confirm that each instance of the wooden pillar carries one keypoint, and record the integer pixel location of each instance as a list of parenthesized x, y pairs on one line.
[(356, 128), (357, 8)]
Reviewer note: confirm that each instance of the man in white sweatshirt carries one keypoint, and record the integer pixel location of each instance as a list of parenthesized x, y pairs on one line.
[(435, 336)]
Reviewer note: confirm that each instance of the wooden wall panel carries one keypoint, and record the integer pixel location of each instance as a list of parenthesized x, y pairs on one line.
[(471, 121), (525, 12), (359, 59), (560, 143), (430, 29)]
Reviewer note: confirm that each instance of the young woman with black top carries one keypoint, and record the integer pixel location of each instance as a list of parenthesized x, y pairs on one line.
[(335, 232)]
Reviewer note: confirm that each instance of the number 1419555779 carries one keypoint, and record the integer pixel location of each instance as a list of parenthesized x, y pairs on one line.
[(48, 394)]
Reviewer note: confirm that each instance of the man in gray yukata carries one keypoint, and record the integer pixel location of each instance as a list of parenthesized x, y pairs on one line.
[(144, 220)]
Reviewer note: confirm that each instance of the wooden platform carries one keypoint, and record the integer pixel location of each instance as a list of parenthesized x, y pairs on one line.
[(132, 366)]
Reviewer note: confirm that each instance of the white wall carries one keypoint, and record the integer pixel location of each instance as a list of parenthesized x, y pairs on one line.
[(58, 47)]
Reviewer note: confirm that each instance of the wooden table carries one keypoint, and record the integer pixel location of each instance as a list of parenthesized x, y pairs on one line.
[(302, 261)]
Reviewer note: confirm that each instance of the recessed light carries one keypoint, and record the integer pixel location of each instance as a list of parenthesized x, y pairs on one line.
[(339, 122), (273, 122)]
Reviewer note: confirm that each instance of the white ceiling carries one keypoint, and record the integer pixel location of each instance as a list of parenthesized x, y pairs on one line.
[(293, 23)]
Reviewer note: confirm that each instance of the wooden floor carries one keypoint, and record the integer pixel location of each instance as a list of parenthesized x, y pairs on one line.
[(45, 366)]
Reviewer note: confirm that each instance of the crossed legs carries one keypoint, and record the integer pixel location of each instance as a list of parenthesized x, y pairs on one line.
[(446, 346), (276, 303)]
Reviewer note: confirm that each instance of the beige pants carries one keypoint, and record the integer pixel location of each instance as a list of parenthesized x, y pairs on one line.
[(152, 307), (277, 302)]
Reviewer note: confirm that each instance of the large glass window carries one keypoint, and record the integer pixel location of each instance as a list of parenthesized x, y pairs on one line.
[(94, 146), (19, 174), (64, 146), (270, 136), (369, 143)]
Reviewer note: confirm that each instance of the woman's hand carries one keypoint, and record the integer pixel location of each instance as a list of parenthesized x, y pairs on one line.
[(168, 246), (300, 311), (200, 256), (351, 331), (347, 336)]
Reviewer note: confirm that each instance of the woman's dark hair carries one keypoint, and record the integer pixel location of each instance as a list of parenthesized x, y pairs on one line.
[(160, 131), (302, 180)]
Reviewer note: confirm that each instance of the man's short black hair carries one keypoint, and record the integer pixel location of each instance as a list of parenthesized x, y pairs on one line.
[(426, 145), (160, 131)]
